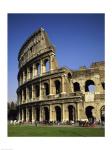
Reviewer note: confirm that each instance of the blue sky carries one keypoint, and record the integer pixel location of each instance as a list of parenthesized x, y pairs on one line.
[(78, 38)]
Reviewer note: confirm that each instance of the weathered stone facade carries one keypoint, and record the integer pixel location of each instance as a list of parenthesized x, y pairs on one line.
[(47, 92)]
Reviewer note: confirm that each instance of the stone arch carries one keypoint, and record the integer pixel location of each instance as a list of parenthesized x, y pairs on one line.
[(71, 113), (30, 114), (31, 72), (46, 65), (24, 112), (76, 87), (46, 88), (69, 76), (30, 92), (89, 86), (20, 111), (20, 96), (58, 86), (38, 114), (24, 93), (37, 90), (58, 113), (38, 69), (89, 113), (46, 114)]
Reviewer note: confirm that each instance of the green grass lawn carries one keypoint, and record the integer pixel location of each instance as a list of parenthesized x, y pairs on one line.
[(29, 131)]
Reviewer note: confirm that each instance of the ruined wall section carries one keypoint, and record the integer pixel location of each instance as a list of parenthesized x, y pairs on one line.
[(94, 74)]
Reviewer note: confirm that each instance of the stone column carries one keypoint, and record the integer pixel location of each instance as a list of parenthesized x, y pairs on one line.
[(22, 115), (23, 76), (19, 116), (40, 113), (51, 87), (33, 114), (27, 114), (63, 84), (27, 94), (77, 112), (20, 79), (51, 113), (40, 97), (33, 92), (41, 67), (63, 112), (28, 74), (51, 62), (34, 71), (22, 96)]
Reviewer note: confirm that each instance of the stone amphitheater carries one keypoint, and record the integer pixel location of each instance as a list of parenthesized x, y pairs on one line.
[(49, 93)]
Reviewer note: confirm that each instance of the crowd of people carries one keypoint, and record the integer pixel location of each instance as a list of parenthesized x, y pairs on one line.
[(80, 123)]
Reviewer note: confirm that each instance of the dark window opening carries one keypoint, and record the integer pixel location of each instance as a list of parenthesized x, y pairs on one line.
[(71, 111), (30, 115), (25, 75), (38, 69), (89, 86), (30, 92), (31, 72), (58, 113), (89, 113), (24, 92), (20, 114), (37, 88), (46, 65), (46, 113), (76, 87), (58, 86), (69, 77), (103, 85), (46, 86), (38, 114), (24, 114)]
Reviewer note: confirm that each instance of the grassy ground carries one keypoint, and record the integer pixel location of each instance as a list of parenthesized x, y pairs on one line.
[(32, 131)]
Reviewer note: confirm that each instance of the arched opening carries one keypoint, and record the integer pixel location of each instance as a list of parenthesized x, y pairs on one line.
[(46, 114), (30, 92), (76, 87), (37, 114), (89, 86), (46, 88), (46, 63), (25, 75), (20, 114), (69, 76), (20, 96), (102, 113), (24, 111), (37, 90), (21, 79), (58, 113), (30, 115), (38, 69), (31, 72), (58, 87), (89, 114), (24, 93), (103, 85), (71, 112)]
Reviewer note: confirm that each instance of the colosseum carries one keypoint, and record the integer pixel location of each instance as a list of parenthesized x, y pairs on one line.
[(49, 93)]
